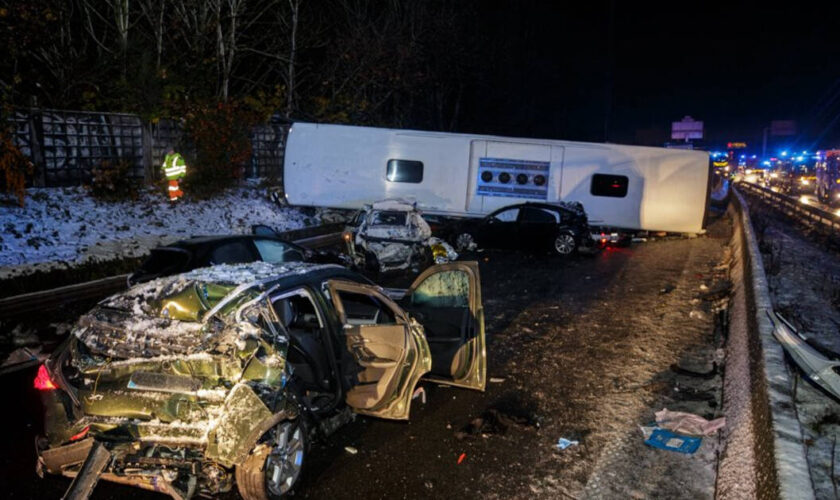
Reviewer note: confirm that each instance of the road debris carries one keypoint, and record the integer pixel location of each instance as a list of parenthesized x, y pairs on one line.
[(351, 450), (421, 393), (564, 443), (696, 314), (461, 458), (688, 423), (664, 439), (496, 380)]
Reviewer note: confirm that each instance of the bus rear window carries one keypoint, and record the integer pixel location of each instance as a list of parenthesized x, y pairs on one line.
[(614, 186)]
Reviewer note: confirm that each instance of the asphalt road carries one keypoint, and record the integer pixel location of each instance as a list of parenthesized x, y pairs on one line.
[(578, 348)]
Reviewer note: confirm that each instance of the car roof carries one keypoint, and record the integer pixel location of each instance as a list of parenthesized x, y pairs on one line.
[(239, 279)]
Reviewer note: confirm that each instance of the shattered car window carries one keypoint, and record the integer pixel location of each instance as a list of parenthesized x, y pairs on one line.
[(443, 289), (277, 252), (388, 218), (507, 215)]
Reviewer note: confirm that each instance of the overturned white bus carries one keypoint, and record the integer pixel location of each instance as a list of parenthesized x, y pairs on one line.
[(629, 187)]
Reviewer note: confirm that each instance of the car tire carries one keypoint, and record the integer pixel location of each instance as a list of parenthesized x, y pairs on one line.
[(464, 242), (564, 244), (276, 463)]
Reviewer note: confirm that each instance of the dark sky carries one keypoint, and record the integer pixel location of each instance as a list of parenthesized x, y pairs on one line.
[(736, 66)]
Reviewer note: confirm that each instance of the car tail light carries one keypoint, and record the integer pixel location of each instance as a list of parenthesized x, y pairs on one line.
[(43, 382)]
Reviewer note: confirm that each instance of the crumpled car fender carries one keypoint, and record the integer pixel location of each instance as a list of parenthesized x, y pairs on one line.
[(244, 420)]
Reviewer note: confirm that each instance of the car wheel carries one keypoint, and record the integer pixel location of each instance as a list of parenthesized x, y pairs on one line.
[(564, 244), (273, 468), (464, 241)]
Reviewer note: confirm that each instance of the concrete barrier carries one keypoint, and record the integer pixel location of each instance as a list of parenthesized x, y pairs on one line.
[(764, 455)]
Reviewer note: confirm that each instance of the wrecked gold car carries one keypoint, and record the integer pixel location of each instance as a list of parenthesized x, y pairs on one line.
[(189, 383)]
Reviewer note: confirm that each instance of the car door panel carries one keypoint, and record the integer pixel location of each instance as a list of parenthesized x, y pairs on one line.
[(446, 300), (391, 357)]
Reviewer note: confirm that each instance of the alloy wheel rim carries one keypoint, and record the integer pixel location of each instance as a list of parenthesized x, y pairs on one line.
[(564, 244), (285, 460)]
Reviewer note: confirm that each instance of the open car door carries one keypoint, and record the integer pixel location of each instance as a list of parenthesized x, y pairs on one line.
[(391, 353), (446, 300)]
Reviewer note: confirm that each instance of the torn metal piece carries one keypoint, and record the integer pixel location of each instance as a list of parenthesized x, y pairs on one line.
[(820, 369), (94, 465)]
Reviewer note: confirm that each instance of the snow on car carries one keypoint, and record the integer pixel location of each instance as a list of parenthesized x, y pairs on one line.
[(392, 235), (185, 383)]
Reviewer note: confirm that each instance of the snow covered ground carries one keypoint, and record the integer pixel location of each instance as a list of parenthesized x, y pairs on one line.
[(65, 226)]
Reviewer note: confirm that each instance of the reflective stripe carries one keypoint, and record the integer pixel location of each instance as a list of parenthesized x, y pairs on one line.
[(175, 171), (174, 188)]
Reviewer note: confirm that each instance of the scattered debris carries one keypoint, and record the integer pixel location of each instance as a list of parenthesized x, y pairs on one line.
[(461, 458), (696, 314), (351, 450), (664, 439), (494, 421), (496, 380), (421, 393), (667, 289), (816, 366), (564, 443), (688, 423)]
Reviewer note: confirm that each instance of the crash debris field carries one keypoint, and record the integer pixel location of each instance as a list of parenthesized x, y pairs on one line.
[(586, 348)]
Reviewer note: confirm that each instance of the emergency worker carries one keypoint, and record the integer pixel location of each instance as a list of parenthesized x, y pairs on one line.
[(174, 168)]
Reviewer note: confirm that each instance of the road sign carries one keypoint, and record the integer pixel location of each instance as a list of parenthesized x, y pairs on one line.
[(783, 127), (687, 128)]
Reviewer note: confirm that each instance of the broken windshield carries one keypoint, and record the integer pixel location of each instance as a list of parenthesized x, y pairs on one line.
[(388, 218)]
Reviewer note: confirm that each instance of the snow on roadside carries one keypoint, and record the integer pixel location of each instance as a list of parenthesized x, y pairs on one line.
[(65, 226)]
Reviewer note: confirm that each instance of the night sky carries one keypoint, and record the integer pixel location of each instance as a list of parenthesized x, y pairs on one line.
[(555, 72)]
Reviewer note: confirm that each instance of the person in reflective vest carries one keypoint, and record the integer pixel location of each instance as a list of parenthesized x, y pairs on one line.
[(174, 168)]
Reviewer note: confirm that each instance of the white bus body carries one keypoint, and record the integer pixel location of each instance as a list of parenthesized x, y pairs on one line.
[(630, 187)]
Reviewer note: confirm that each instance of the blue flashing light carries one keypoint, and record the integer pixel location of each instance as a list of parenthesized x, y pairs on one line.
[(784, 153), (765, 163)]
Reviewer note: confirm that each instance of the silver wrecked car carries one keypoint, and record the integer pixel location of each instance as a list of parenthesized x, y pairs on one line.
[(392, 235)]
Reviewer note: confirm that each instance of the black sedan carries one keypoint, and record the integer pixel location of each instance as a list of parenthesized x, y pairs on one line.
[(204, 251), (561, 228)]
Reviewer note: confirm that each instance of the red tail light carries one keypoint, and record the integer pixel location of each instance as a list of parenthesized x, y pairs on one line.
[(43, 382)]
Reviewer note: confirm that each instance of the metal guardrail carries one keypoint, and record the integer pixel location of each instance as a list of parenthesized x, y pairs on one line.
[(823, 221), (311, 237)]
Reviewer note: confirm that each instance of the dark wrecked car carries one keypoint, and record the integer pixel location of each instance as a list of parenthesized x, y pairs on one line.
[(189, 383), (205, 251), (561, 228)]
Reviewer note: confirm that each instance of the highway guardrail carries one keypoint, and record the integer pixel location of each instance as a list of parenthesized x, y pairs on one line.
[(310, 237)]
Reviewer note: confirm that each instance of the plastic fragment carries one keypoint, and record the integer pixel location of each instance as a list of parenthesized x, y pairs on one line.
[(461, 458), (564, 443), (351, 450), (421, 393), (496, 380)]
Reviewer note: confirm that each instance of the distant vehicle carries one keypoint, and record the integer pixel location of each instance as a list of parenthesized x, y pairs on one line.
[(560, 228), (461, 175), (205, 251), (223, 374), (827, 182), (393, 235)]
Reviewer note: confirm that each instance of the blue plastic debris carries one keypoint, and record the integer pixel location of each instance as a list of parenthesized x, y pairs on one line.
[(667, 440), (564, 443)]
